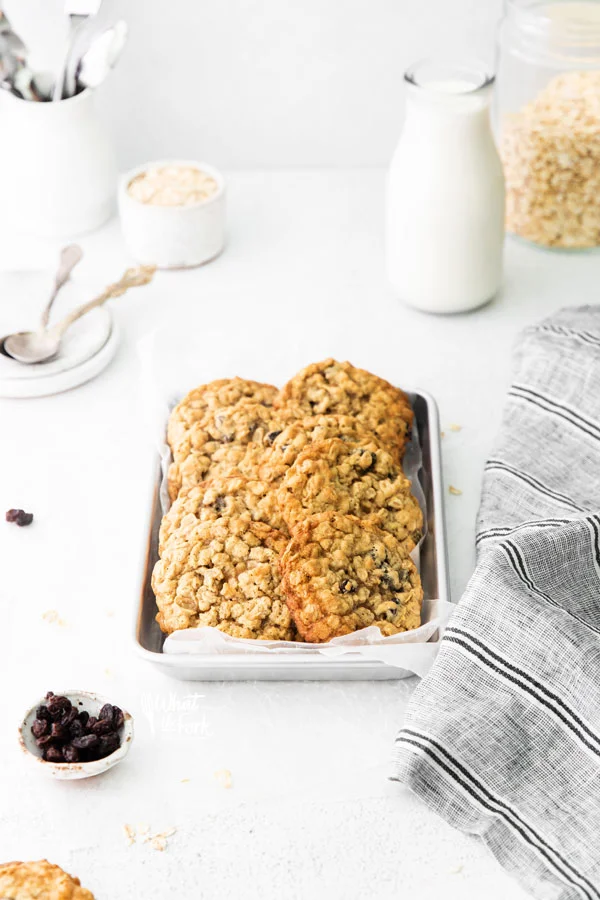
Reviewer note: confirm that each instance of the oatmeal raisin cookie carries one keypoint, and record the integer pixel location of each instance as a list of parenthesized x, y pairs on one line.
[(219, 441), (215, 395), (357, 479), (225, 574), (39, 880), (218, 498), (271, 462), (332, 387), (341, 574)]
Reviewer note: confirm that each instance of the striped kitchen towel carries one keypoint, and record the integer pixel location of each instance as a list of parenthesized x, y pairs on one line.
[(502, 738)]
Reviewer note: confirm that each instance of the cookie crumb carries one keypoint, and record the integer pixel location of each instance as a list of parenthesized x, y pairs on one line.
[(185, 780), (129, 832), (454, 490), (456, 870), (52, 617), (442, 434), (455, 427), (224, 778), (158, 843)]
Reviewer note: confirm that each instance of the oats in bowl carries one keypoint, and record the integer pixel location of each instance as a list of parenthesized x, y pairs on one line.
[(172, 185)]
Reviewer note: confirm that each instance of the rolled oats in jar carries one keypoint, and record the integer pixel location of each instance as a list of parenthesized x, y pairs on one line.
[(548, 121)]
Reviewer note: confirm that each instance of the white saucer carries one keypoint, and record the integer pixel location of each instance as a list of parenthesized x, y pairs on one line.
[(63, 378), (82, 341)]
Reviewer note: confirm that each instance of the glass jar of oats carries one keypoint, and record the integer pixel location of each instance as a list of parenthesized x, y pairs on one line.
[(547, 117)]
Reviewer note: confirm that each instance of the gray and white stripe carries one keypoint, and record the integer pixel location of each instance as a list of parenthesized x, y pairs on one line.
[(502, 737)]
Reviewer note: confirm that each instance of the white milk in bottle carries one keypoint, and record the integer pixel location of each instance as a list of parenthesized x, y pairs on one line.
[(445, 193)]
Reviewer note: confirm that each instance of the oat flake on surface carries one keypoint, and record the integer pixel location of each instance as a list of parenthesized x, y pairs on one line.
[(224, 777)]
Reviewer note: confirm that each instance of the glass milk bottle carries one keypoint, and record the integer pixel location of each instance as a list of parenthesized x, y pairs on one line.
[(445, 193)]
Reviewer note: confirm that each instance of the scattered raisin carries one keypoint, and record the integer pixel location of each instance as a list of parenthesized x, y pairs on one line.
[(19, 517), (270, 437)]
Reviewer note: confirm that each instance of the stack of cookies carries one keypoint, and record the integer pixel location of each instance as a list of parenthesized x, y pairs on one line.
[(291, 516)]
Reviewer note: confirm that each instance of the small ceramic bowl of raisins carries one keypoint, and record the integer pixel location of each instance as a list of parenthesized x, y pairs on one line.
[(75, 734)]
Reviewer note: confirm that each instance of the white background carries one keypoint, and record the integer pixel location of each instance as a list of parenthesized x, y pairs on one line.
[(267, 83), (245, 84), (311, 813)]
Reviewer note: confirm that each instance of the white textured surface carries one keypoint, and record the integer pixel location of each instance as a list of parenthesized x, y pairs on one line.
[(310, 813), (260, 83)]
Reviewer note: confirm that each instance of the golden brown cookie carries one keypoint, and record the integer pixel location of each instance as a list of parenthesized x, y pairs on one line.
[(339, 388), (341, 574), (225, 574), (270, 463), (355, 479), (215, 395), (219, 440), (39, 880), (217, 498)]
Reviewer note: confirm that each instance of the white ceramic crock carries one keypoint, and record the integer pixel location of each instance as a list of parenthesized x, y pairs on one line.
[(58, 172), (173, 237)]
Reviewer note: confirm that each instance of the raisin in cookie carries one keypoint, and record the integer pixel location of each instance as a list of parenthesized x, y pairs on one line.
[(225, 574), (357, 479), (219, 440), (39, 881), (332, 387), (217, 394), (218, 498), (341, 574)]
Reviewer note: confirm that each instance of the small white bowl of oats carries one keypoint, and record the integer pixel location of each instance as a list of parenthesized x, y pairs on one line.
[(173, 213)]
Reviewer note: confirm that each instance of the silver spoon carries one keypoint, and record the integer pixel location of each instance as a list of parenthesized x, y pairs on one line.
[(11, 38), (101, 56), (38, 347), (69, 257), (79, 13), (42, 85)]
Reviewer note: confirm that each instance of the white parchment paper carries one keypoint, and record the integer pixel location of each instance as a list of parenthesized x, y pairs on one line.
[(168, 373)]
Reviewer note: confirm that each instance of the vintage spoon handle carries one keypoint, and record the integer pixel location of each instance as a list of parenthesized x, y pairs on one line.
[(132, 278), (69, 257)]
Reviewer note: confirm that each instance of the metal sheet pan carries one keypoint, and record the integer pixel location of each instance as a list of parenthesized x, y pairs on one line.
[(268, 667)]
